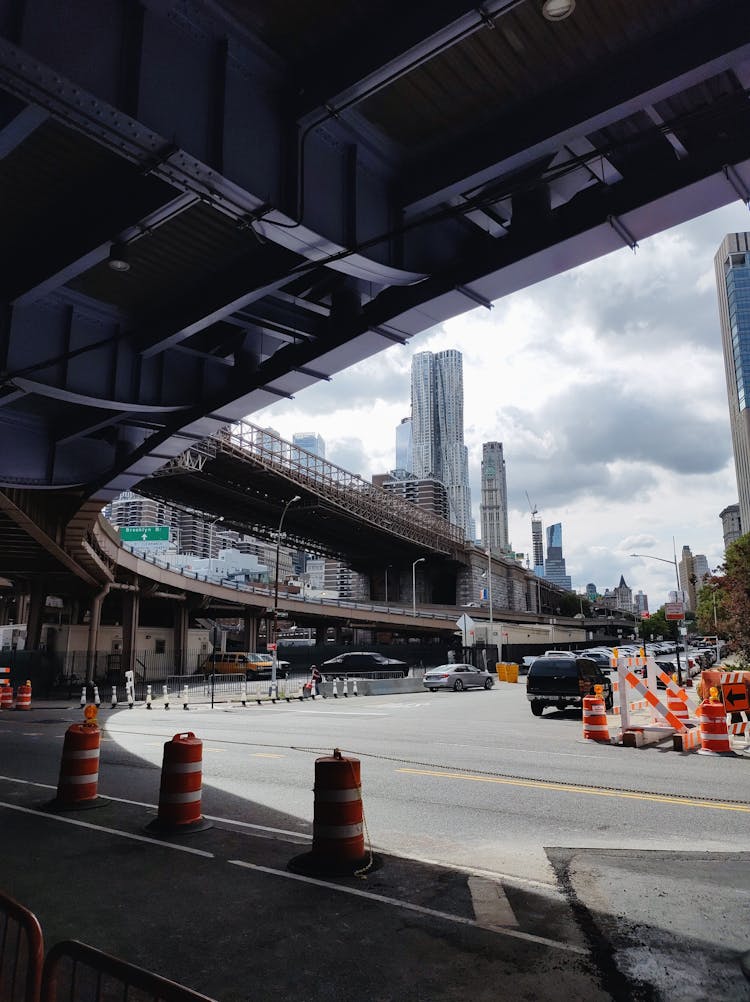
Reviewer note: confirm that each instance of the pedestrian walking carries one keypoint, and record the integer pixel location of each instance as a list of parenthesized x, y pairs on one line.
[(315, 679)]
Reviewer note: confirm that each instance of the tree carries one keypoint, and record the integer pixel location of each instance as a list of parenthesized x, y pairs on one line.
[(711, 612), (736, 588), (659, 626)]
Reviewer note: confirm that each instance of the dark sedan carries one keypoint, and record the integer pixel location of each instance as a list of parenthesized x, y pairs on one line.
[(368, 661)]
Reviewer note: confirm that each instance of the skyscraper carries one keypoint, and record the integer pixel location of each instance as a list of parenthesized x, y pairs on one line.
[(437, 414), (730, 524), (732, 266), (493, 509), (554, 566), (537, 545), (404, 445)]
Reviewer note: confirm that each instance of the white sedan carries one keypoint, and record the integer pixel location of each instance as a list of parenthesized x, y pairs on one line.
[(457, 677)]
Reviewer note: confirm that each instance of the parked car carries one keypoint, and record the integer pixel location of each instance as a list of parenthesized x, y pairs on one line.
[(600, 658), (354, 661), (526, 662), (457, 677), (563, 682), (252, 664)]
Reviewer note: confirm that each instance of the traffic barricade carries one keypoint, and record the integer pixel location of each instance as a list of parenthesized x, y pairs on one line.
[(78, 784), (21, 952), (73, 970), (23, 696)]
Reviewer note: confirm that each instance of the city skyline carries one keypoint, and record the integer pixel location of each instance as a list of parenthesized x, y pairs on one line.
[(606, 386)]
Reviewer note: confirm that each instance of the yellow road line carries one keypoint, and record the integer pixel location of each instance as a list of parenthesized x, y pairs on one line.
[(569, 788)]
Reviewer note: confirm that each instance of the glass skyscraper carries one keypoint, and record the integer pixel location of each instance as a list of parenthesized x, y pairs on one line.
[(554, 565), (437, 417), (404, 446), (732, 266)]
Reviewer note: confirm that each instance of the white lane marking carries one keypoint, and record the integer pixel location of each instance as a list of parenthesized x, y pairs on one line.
[(408, 906), (140, 803), (492, 909), (341, 713), (107, 831)]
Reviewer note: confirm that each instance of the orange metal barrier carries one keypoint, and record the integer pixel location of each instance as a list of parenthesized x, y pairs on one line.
[(21, 952), (73, 970)]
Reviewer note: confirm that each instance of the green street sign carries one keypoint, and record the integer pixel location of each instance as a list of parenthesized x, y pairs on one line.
[(145, 534)]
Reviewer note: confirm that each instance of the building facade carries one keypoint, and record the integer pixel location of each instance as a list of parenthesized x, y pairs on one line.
[(426, 493), (437, 414), (493, 508), (537, 546), (554, 565), (731, 526), (404, 460), (732, 267)]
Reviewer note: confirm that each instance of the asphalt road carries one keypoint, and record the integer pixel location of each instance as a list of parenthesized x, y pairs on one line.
[(639, 855)]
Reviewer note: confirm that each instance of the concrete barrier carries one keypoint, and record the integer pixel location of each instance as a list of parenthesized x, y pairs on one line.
[(371, 686)]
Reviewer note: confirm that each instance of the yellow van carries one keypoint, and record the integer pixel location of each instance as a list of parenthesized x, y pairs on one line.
[(251, 665)]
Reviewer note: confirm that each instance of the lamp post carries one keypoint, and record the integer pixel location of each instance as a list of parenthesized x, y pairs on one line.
[(211, 542), (419, 560), (387, 568), (275, 653), (663, 560)]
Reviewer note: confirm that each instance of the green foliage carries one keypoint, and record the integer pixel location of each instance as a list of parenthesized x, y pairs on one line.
[(736, 597), (658, 626)]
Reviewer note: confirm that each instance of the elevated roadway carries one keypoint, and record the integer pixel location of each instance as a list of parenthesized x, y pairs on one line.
[(231, 202)]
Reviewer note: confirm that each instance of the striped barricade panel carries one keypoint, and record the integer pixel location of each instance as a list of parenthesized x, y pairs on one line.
[(654, 703), (741, 726), (672, 687), (639, 704), (727, 677)]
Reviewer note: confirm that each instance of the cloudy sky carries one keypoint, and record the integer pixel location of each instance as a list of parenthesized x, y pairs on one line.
[(606, 387)]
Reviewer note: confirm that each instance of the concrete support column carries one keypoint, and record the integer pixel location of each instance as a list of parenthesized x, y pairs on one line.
[(35, 618), (22, 607), (320, 634), (130, 608), (338, 634), (250, 634), (95, 615), (181, 621)]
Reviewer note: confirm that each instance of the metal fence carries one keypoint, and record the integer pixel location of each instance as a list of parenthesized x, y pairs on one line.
[(21, 952)]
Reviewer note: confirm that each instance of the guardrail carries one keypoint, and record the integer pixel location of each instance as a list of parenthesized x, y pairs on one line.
[(21, 952), (73, 970)]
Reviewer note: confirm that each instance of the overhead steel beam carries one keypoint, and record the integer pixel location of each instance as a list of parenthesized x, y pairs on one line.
[(18, 128), (653, 71), (403, 36)]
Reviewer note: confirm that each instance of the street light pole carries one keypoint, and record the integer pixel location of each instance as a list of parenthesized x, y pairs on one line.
[(275, 653), (419, 560), (663, 560)]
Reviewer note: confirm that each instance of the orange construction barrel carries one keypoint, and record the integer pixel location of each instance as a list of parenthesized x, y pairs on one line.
[(595, 726), (79, 768), (6, 696), (338, 846), (23, 696), (714, 730), (180, 787)]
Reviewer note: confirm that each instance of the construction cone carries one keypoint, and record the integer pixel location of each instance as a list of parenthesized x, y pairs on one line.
[(354, 687), (83, 696), (148, 697), (113, 702), (595, 717), (97, 700), (79, 767), (185, 698), (165, 693)]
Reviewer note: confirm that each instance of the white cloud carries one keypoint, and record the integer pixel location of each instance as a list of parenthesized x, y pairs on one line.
[(606, 387)]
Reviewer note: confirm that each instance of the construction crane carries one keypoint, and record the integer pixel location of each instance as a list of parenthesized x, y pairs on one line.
[(532, 508)]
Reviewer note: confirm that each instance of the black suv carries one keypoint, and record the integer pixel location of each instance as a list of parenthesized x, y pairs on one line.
[(563, 682)]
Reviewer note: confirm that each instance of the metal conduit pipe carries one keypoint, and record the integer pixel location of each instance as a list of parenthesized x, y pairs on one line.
[(95, 614)]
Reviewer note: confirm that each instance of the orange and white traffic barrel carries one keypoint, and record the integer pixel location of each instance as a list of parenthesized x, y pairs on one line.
[(714, 731), (23, 696), (180, 788), (595, 718), (6, 696), (79, 767), (338, 846)]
